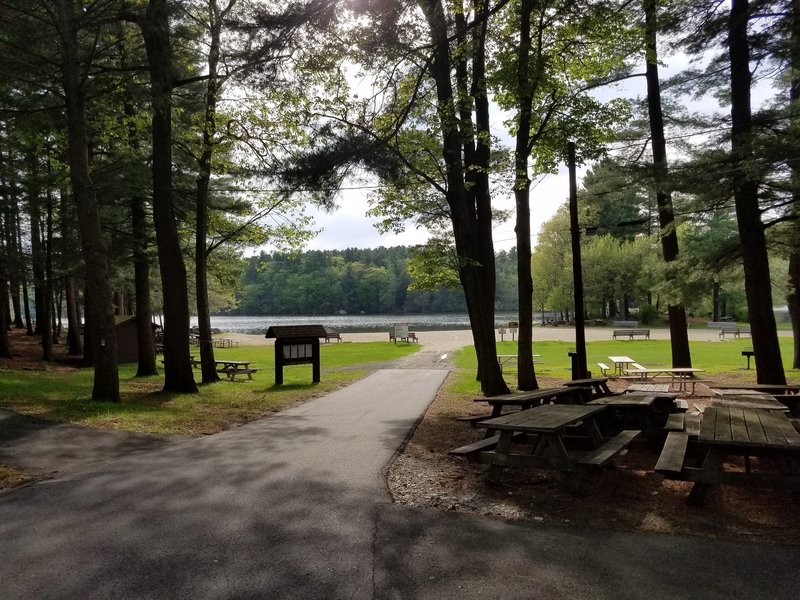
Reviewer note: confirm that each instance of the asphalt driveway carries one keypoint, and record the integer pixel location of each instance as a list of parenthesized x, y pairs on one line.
[(295, 506)]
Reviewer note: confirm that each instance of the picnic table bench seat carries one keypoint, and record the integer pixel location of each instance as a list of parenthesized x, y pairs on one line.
[(330, 334), (470, 451), (604, 368), (673, 454), (631, 333), (613, 446)]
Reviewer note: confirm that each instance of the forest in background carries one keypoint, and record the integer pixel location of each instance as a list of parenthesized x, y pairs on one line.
[(371, 281)]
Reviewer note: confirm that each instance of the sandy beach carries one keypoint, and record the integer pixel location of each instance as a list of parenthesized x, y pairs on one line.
[(447, 341)]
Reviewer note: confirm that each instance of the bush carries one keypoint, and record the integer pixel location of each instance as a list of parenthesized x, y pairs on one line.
[(648, 314)]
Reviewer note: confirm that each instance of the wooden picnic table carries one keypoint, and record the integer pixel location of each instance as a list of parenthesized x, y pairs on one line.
[(762, 401), (682, 375), (621, 363), (650, 388), (648, 412), (232, 368), (728, 431), (547, 426), (525, 400), (768, 388), (503, 359), (599, 385)]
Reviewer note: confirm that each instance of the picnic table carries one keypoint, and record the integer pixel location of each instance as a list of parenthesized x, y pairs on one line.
[(683, 376), (598, 385), (507, 359), (651, 388), (232, 368), (525, 400), (769, 388), (621, 363), (648, 412), (546, 427), (725, 432), (750, 398)]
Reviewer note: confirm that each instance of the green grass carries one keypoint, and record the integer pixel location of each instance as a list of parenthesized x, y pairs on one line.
[(714, 357), (66, 396)]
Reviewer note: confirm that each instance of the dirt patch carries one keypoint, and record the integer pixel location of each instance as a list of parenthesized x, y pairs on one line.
[(627, 496)]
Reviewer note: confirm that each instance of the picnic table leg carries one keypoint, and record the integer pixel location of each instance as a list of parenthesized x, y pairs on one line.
[(503, 445), (699, 493)]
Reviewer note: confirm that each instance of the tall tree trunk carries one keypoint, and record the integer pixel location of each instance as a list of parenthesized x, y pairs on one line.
[(526, 375), (25, 299), (468, 208), (5, 347), (140, 232), (74, 344), (793, 295), (9, 208), (207, 360), (678, 332), (47, 290), (758, 288), (33, 189), (101, 319), (178, 376)]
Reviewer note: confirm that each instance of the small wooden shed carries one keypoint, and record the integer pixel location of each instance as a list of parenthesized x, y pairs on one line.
[(127, 338), (296, 344)]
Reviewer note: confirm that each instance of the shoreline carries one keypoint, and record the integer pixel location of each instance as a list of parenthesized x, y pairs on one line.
[(448, 340)]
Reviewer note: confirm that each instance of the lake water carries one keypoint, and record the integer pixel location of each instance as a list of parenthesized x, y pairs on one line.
[(352, 323)]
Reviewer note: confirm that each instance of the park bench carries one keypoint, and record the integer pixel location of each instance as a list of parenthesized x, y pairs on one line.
[(733, 330), (604, 368), (410, 337), (631, 333), (330, 334)]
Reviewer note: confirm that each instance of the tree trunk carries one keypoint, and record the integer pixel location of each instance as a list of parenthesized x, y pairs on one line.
[(678, 332), (468, 208), (758, 288), (5, 347), (793, 295), (178, 376), (101, 318), (207, 359), (526, 375), (47, 289), (35, 221), (74, 345)]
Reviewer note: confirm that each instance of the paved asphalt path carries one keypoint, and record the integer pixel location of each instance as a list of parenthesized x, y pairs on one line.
[(295, 506)]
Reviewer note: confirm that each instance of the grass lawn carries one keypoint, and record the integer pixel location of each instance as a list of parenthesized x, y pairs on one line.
[(714, 357), (65, 395)]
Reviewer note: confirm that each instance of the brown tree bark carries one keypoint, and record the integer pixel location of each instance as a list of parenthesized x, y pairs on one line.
[(758, 287), (678, 331), (470, 206), (101, 319), (526, 374), (178, 376), (793, 295), (207, 359)]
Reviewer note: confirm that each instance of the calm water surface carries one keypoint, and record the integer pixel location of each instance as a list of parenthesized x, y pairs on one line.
[(351, 323)]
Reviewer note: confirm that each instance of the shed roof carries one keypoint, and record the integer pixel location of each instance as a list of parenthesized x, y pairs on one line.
[(295, 331)]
